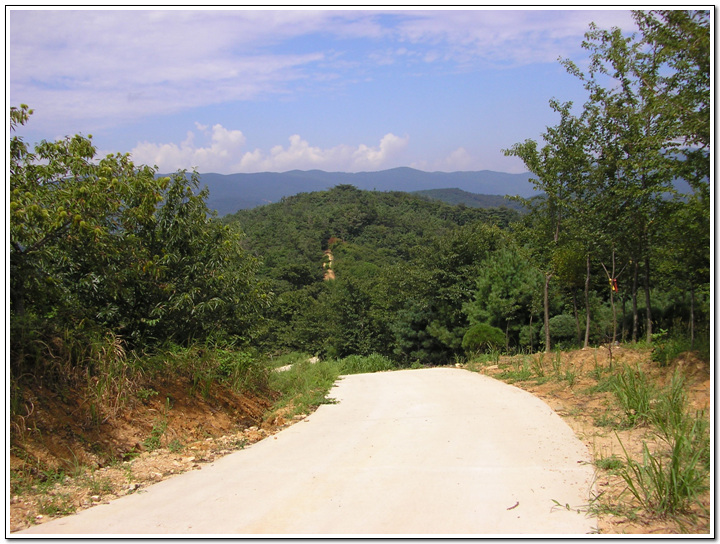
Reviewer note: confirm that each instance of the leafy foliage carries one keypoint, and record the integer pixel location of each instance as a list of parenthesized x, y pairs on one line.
[(404, 267), (482, 336), (102, 244)]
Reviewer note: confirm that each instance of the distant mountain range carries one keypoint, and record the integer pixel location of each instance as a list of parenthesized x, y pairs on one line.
[(232, 192), (472, 200)]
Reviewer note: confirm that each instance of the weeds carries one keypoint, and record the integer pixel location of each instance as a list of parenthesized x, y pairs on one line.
[(570, 376), (153, 442), (666, 350), (303, 386), (635, 394), (520, 371), (175, 446), (145, 394), (55, 505), (537, 365), (668, 487), (612, 463), (666, 484), (359, 364), (99, 486)]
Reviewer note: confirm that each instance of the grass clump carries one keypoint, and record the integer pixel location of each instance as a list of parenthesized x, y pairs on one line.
[(668, 481), (611, 463), (636, 394), (306, 381), (361, 364), (520, 371), (667, 486)]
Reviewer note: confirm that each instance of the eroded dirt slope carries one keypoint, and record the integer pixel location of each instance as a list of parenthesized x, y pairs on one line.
[(63, 459)]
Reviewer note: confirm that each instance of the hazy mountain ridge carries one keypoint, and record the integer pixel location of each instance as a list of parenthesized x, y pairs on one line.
[(456, 196), (232, 192)]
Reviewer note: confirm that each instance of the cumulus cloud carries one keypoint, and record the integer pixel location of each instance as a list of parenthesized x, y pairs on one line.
[(225, 154), (224, 148)]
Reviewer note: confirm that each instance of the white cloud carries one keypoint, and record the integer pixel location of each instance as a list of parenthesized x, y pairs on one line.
[(505, 36), (224, 154), (125, 64), (461, 160), (224, 148)]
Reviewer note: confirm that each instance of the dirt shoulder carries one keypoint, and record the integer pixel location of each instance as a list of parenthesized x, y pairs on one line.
[(431, 451), (66, 462), (569, 386)]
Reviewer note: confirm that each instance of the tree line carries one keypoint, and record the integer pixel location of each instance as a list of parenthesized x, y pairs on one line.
[(101, 247), (607, 171)]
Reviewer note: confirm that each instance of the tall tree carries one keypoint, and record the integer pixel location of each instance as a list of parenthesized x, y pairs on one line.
[(561, 170), (505, 292), (628, 105)]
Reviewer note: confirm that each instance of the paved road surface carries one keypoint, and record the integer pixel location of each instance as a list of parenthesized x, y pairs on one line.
[(439, 451)]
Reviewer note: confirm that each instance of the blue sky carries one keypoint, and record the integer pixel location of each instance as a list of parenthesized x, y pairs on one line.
[(281, 89)]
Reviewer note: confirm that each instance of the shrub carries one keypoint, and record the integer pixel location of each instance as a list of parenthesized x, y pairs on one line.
[(360, 364), (562, 327), (483, 337)]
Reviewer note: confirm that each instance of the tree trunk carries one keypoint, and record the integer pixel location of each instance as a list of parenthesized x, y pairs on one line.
[(531, 333), (612, 300), (692, 315), (634, 302), (546, 304), (507, 336), (17, 295), (624, 318), (648, 310), (578, 336), (587, 304)]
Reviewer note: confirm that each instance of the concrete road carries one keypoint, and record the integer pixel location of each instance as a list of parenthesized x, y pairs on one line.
[(439, 451)]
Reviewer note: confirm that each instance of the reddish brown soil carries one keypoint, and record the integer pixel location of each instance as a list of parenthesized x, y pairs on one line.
[(63, 459), (583, 410)]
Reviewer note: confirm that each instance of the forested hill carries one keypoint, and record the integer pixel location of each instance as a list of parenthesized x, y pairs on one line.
[(298, 229), (229, 193), (404, 267), (459, 197)]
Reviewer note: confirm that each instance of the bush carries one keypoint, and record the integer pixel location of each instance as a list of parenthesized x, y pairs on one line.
[(668, 349), (360, 364), (562, 327), (483, 337)]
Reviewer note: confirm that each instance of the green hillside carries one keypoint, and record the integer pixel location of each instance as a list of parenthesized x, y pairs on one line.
[(403, 268)]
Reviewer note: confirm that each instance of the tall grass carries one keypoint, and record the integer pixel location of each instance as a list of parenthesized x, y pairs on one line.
[(636, 395), (207, 365), (303, 386), (668, 486), (359, 364), (665, 482)]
